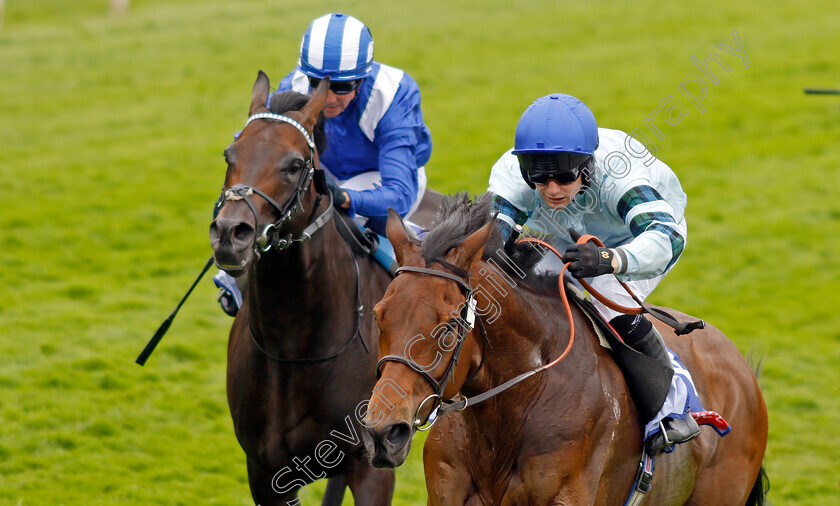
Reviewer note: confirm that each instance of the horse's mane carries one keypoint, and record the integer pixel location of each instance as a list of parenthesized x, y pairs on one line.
[(294, 101), (459, 216)]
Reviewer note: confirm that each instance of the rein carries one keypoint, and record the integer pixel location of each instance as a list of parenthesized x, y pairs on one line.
[(471, 401), (446, 406), (679, 327)]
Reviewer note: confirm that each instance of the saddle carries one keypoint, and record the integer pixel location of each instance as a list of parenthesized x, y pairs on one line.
[(657, 386), (645, 393)]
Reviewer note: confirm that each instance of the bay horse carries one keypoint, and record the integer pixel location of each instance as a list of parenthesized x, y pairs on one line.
[(568, 435), (299, 370)]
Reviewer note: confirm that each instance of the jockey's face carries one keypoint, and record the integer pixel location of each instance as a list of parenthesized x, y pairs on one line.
[(557, 195), (337, 103)]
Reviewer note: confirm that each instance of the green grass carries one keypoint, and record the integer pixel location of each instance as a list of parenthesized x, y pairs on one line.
[(110, 150)]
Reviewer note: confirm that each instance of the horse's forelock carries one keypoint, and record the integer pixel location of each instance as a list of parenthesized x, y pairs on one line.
[(459, 216), (293, 101)]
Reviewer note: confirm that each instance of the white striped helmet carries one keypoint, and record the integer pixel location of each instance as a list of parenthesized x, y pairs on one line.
[(338, 46)]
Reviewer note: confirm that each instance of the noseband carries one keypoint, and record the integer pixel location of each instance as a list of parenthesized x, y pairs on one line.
[(441, 406), (270, 238), (465, 324)]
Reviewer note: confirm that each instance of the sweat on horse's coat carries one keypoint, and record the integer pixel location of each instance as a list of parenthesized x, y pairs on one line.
[(570, 435)]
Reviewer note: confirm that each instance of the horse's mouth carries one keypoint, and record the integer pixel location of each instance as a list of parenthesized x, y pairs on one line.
[(234, 270)]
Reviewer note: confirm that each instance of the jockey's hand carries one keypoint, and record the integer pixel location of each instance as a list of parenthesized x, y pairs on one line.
[(339, 196), (588, 260)]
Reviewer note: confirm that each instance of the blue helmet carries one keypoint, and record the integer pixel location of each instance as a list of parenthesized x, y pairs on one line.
[(338, 46), (556, 134)]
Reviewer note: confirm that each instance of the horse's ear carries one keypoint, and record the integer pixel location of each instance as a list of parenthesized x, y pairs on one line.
[(402, 239), (470, 251), (259, 95), (316, 104)]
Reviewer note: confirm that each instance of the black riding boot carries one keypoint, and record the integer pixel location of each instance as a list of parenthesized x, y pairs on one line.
[(643, 337)]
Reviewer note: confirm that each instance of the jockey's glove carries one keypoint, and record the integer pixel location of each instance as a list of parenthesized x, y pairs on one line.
[(588, 260), (339, 196)]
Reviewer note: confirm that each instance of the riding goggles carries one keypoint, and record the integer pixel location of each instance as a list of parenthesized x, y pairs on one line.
[(337, 87), (540, 168)]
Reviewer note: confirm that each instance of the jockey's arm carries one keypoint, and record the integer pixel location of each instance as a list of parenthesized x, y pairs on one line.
[(508, 216), (513, 199), (398, 170), (658, 238)]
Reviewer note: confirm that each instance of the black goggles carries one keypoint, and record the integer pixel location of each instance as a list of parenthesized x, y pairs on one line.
[(540, 168), (337, 87)]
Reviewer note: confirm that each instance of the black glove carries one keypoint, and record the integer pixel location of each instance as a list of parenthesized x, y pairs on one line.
[(339, 198), (588, 260)]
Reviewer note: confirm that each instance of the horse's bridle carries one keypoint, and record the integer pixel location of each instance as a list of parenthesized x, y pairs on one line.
[(442, 406), (270, 238), (465, 324)]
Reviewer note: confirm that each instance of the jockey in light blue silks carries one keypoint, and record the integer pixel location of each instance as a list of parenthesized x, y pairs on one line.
[(565, 173), (377, 141)]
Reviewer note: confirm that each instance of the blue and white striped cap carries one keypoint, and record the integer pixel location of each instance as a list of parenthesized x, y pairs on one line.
[(336, 45)]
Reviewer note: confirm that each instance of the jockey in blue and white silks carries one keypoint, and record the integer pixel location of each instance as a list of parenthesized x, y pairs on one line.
[(380, 134), (377, 141), (566, 174)]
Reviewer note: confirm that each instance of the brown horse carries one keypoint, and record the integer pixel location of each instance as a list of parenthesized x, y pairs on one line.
[(568, 435), (299, 371)]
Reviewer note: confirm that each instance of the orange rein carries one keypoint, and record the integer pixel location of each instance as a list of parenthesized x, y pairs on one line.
[(601, 298), (565, 301)]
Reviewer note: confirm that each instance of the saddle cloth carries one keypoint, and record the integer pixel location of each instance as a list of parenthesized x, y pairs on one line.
[(682, 399)]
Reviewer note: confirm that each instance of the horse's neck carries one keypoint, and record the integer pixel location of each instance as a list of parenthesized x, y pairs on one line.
[(299, 290), (531, 331)]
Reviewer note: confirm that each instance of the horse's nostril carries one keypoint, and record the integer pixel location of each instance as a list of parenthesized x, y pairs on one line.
[(242, 232), (214, 233), (398, 434)]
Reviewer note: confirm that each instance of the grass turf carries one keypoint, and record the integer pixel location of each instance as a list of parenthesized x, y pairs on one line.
[(110, 148)]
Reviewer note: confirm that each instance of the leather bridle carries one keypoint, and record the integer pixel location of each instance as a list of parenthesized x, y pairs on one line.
[(270, 236), (465, 323)]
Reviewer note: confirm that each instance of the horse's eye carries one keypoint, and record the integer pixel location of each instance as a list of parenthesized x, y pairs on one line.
[(294, 167)]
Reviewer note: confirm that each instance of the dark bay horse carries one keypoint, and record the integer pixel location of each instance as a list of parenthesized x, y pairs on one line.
[(299, 372), (568, 435)]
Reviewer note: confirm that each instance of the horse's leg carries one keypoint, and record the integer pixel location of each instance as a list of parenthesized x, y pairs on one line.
[(262, 491), (370, 485), (334, 494)]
